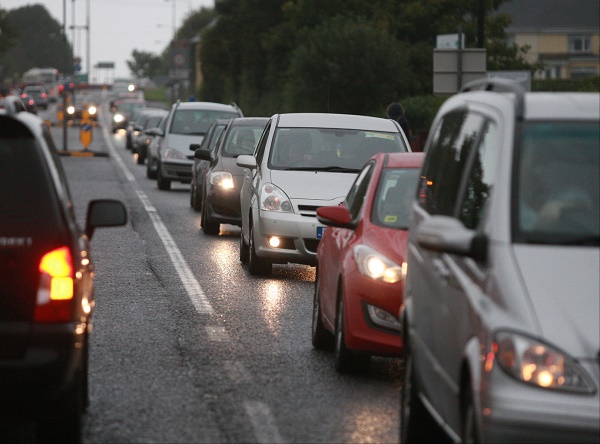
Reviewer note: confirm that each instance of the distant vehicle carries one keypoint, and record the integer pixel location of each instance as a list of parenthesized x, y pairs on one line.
[(157, 136), (17, 104), (502, 308), (46, 77), (222, 178), (39, 94), (123, 111), (303, 161), (187, 123), (149, 118), (361, 263), (46, 282)]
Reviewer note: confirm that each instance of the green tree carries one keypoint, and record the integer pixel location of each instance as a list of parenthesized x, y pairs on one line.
[(145, 64)]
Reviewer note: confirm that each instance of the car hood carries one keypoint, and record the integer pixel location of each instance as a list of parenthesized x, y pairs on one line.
[(182, 142), (563, 284), (228, 164), (319, 185)]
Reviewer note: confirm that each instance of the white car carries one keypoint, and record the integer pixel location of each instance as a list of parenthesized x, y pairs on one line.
[(303, 161), (501, 314), (186, 124)]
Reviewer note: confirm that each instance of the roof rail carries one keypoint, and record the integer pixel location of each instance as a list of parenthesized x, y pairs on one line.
[(500, 85)]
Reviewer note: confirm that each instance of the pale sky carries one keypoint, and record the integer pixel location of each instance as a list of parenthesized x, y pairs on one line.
[(117, 27)]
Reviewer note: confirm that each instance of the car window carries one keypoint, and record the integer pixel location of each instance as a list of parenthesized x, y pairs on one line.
[(393, 200), (556, 190), (329, 148), (196, 121), (481, 178), (241, 140), (262, 143), (216, 137), (448, 154), (356, 195)]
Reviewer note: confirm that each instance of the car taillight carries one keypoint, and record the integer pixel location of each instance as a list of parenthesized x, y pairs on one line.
[(44, 95), (55, 292)]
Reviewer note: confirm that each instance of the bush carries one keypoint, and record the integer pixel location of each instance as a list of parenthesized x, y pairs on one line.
[(421, 110), (587, 84)]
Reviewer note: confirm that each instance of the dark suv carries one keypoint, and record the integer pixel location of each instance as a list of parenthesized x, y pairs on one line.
[(46, 282)]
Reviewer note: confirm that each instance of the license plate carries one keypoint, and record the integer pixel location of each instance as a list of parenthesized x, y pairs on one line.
[(320, 231)]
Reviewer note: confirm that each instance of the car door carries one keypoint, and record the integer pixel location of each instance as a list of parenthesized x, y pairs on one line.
[(431, 286), (339, 245)]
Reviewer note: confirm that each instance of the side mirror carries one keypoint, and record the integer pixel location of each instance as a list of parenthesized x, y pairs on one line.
[(448, 235), (203, 154), (104, 213), (194, 146), (246, 161), (335, 216)]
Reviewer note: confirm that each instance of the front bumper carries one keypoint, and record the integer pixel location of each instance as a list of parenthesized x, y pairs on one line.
[(223, 206), (178, 170)]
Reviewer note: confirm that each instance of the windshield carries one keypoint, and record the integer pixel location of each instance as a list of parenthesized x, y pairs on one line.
[(329, 149), (242, 140), (556, 194), (395, 194), (196, 121)]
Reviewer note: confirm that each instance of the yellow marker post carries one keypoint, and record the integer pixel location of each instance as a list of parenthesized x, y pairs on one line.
[(85, 132)]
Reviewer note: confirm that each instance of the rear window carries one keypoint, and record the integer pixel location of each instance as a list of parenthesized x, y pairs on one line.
[(28, 201), (197, 121)]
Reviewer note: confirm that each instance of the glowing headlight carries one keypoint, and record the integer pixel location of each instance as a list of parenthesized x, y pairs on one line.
[(221, 179), (172, 153), (118, 118), (539, 364), (92, 110), (70, 109), (272, 198), (372, 263)]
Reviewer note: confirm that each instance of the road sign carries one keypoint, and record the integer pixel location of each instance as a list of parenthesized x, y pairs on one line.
[(85, 133)]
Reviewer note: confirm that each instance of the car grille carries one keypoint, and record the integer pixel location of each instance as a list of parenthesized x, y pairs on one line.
[(308, 210)]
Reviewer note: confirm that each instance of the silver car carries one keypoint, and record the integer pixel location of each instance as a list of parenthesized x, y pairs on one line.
[(502, 308), (303, 161)]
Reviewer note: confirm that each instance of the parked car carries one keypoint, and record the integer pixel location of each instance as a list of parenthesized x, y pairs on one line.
[(303, 161), (157, 136), (149, 118), (222, 178), (187, 123), (209, 143), (361, 263), (46, 282), (39, 94), (501, 303), (123, 110)]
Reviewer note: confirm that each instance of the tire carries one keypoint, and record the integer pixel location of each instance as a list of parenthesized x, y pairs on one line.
[(208, 227), (345, 359), (416, 424), (244, 251), (149, 173), (140, 159), (321, 338), (195, 200), (257, 265), (161, 182), (469, 432)]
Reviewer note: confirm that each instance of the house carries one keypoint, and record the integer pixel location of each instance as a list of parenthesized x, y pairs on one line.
[(562, 34)]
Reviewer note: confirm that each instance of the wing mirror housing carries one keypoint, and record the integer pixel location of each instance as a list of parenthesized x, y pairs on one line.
[(104, 213), (202, 154), (246, 161), (335, 216)]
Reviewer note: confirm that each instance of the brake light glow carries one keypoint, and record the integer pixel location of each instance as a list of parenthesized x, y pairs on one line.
[(55, 292)]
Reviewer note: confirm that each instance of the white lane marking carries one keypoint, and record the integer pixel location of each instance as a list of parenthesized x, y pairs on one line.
[(263, 422), (191, 285)]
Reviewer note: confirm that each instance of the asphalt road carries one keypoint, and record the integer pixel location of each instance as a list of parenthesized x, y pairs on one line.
[(187, 346)]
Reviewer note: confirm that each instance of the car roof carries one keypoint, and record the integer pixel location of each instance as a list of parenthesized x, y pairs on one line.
[(402, 160), (570, 105), (341, 121), (205, 105), (249, 121)]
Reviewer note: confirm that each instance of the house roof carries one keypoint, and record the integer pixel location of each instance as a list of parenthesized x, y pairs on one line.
[(552, 15)]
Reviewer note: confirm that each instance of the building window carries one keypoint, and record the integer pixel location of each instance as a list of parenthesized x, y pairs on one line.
[(580, 43), (552, 72), (580, 73)]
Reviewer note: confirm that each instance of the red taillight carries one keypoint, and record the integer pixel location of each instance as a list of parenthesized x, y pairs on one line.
[(23, 95), (55, 292), (43, 95)]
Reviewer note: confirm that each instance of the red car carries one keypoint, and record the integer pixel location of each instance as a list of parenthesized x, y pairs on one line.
[(361, 263)]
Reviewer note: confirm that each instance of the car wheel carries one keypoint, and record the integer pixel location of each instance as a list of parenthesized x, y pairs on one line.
[(208, 226), (256, 265), (195, 198), (469, 429), (150, 174), (140, 159), (416, 425), (163, 184), (244, 251), (345, 359), (321, 338)]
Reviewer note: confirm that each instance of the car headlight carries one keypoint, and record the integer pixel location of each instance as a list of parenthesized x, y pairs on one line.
[(375, 265), (71, 109), (172, 153), (272, 198), (539, 364), (221, 179), (92, 110), (118, 118)]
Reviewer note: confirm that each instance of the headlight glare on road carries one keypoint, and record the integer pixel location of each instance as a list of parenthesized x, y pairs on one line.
[(539, 364), (222, 179), (375, 265), (272, 198)]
